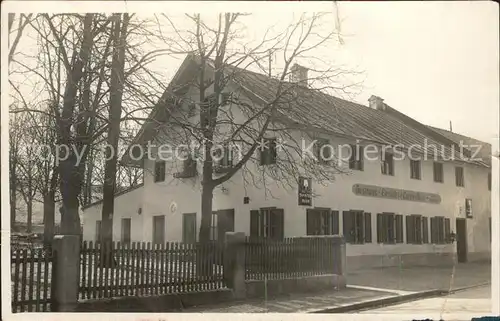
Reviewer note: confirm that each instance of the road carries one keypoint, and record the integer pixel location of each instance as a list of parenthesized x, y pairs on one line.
[(475, 300)]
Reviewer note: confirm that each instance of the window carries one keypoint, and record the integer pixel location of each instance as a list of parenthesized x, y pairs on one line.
[(158, 229), (322, 222), (268, 152), (213, 227), (389, 228), (191, 110), (438, 172), (354, 227), (440, 230), (189, 228), (387, 163), (98, 231), (126, 228), (159, 171), (415, 169), (489, 181), (323, 150), (414, 229), (468, 208), (188, 168), (459, 176), (356, 159), (267, 223), (223, 158)]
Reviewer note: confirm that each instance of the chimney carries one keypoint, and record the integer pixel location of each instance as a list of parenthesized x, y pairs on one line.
[(299, 75), (376, 103)]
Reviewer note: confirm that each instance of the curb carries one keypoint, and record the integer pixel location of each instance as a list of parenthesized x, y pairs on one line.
[(371, 304), (381, 302)]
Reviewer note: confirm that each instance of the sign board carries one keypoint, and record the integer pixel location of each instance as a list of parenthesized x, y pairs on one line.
[(396, 194), (305, 191), (468, 208)]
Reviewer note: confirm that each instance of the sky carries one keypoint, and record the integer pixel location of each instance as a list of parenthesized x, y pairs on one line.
[(434, 61)]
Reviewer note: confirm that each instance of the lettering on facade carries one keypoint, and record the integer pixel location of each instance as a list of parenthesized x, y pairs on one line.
[(305, 191), (394, 193)]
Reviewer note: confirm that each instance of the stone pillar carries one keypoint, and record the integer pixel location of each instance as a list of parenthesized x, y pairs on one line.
[(340, 254), (65, 272), (234, 263)]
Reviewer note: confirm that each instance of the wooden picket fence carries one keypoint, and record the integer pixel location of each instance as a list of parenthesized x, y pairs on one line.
[(143, 269), (289, 258), (31, 275)]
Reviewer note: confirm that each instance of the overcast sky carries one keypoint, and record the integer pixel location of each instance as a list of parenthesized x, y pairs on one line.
[(434, 61)]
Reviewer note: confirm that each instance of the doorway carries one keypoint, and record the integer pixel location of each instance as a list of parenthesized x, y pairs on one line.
[(461, 224), (159, 229)]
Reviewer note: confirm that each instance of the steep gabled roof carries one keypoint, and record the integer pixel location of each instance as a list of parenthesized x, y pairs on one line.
[(325, 112)]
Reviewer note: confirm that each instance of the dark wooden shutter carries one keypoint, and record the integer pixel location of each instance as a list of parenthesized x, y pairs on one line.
[(380, 228), (409, 239), (254, 223), (361, 160), (440, 229), (433, 230), (310, 222), (348, 226), (447, 230), (335, 219), (425, 230), (279, 217), (399, 228), (368, 227)]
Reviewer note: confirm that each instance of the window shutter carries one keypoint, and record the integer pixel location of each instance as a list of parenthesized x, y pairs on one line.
[(254, 223), (380, 228), (279, 217), (425, 230), (310, 228), (433, 230), (399, 228), (440, 228), (447, 230), (347, 226), (361, 154), (409, 234), (368, 227), (335, 218)]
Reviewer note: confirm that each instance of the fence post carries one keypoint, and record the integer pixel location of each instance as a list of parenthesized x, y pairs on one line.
[(66, 274), (234, 263), (339, 260)]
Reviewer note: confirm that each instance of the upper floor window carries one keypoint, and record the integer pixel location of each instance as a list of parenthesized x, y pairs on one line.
[(268, 152), (322, 150), (438, 172), (459, 176), (387, 163), (356, 159), (159, 171), (223, 158), (415, 171)]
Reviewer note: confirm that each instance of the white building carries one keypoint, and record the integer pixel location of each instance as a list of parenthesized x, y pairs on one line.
[(388, 211)]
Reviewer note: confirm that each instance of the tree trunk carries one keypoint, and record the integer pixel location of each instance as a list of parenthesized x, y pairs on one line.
[(115, 110), (49, 208), (29, 216), (206, 213), (13, 210)]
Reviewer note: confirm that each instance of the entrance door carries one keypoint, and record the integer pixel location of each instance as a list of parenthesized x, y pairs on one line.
[(159, 229), (225, 223), (189, 228), (461, 239)]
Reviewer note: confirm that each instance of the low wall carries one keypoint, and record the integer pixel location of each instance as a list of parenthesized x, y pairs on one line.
[(259, 288), (479, 256), (363, 262), (160, 303)]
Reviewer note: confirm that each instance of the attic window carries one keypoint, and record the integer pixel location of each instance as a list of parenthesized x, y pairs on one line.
[(191, 110)]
